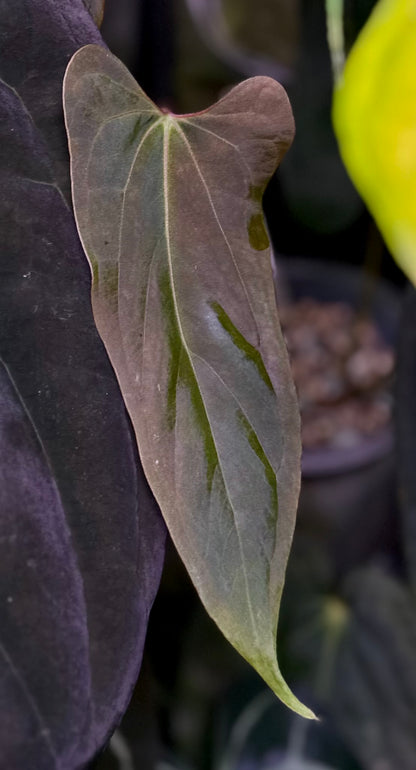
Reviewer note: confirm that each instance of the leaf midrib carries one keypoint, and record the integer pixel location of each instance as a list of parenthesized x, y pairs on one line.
[(168, 127), (217, 219), (171, 124)]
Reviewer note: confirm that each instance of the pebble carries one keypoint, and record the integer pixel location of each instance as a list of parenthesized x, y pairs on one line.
[(341, 367)]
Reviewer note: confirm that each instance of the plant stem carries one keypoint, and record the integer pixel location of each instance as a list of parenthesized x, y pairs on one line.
[(242, 728), (119, 747), (335, 35)]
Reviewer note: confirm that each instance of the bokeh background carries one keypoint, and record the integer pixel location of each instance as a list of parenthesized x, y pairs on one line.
[(347, 635)]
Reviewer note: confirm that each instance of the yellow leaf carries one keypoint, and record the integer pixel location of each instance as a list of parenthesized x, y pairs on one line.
[(375, 122)]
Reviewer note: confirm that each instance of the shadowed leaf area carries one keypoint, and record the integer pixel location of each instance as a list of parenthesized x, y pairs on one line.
[(172, 206)]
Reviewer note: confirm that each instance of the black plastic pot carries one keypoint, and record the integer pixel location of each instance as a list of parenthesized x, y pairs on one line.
[(348, 495)]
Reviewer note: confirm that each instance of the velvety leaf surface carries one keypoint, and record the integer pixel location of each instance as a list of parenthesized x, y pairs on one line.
[(37, 570), (81, 545), (169, 212)]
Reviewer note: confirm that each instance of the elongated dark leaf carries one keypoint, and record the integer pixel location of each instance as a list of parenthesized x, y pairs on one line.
[(80, 544), (169, 212), (38, 569)]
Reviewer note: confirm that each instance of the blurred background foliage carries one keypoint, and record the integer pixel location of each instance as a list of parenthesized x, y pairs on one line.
[(377, 135), (185, 53), (347, 635)]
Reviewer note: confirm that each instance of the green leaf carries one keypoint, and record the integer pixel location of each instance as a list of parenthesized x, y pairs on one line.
[(375, 122), (169, 212)]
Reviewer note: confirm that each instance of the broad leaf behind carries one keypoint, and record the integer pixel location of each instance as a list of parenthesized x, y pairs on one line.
[(81, 544), (169, 212)]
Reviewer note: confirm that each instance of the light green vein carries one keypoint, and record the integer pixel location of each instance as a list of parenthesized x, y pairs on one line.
[(124, 192), (167, 130), (217, 219), (220, 139)]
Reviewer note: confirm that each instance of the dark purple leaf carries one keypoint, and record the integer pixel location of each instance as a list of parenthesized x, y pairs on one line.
[(81, 545), (37, 569)]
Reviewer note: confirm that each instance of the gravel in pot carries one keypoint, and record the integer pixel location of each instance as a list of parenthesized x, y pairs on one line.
[(342, 356)]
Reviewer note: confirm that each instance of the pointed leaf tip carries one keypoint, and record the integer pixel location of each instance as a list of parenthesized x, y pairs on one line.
[(169, 212)]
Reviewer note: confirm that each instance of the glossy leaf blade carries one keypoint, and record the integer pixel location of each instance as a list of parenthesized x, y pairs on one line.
[(81, 545), (169, 213)]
